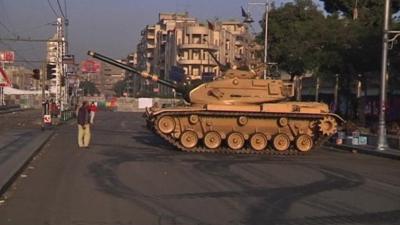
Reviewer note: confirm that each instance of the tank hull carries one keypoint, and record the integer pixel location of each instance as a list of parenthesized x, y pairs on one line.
[(289, 128)]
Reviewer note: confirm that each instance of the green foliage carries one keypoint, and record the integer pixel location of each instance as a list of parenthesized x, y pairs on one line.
[(302, 38), (369, 12), (89, 88), (120, 87)]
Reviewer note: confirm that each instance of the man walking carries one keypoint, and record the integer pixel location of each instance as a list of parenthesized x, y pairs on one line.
[(83, 125)]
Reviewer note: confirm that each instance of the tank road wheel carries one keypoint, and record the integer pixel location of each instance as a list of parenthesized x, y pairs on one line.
[(304, 143), (258, 141), (327, 125), (212, 140), (166, 124), (189, 139), (235, 141), (281, 142)]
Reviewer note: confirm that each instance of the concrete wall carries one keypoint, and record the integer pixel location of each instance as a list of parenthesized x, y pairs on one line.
[(125, 104), (24, 101)]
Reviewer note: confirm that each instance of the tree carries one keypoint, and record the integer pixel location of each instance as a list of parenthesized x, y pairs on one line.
[(89, 88), (369, 12), (120, 87), (301, 38)]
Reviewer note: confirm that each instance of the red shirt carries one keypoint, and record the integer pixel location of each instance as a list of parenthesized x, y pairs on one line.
[(93, 108)]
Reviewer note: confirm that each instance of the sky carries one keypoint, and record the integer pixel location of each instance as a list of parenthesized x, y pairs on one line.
[(111, 27)]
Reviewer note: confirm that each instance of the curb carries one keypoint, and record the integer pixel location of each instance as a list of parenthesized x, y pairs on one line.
[(11, 110), (391, 154), (12, 168)]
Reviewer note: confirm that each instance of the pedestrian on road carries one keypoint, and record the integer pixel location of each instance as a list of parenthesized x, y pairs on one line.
[(93, 110), (83, 125)]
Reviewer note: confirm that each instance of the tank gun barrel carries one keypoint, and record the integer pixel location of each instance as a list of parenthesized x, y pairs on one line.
[(145, 75)]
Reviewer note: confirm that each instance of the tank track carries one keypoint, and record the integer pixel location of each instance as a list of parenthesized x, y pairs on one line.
[(246, 150)]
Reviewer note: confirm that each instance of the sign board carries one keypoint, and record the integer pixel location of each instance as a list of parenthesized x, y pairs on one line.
[(46, 118), (4, 81), (156, 90), (68, 59), (7, 56), (145, 102), (90, 66)]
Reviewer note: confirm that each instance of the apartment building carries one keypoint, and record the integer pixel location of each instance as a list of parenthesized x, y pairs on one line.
[(104, 77), (21, 78), (178, 40)]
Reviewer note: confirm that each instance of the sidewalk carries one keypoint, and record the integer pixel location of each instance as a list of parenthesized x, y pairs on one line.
[(368, 149), (10, 109), (17, 147), (19, 144)]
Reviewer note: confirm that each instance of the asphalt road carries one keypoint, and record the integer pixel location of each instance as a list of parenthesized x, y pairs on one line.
[(129, 176), (25, 119)]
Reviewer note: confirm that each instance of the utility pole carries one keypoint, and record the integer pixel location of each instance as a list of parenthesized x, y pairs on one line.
[(336, 93), (43, 78), (61, 90), (382, 139), (317, 89), (59, 59), (2, 100)]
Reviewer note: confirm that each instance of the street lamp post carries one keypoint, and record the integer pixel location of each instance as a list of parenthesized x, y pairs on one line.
[(382, 139), (266, 39), (249, 20)]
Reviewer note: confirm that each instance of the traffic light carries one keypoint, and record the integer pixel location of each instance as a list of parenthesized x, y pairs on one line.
[(51, 71), (36, 74)]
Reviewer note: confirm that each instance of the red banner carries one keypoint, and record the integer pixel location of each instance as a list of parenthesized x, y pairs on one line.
[(90, 66), (7, 56)]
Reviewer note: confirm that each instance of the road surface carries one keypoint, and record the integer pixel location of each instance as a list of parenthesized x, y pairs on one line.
[(130, 176)]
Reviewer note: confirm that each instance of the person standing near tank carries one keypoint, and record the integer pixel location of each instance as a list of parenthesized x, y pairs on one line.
[(93, 110), (83, 118)]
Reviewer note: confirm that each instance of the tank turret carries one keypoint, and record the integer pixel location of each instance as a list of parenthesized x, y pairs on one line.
[(234, 87)]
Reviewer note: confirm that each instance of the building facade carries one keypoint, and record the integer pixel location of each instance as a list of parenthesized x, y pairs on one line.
[(178, 40), (21, 78), (104, 79)]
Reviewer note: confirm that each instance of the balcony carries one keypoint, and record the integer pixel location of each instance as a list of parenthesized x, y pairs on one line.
[(149, 55), (151, 27), (238, 43), (150, 36), (197, 30), (150, 45), (198, 46), (197, 62)]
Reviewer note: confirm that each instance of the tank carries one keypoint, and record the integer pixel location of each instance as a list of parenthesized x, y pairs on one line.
[(238, 113)]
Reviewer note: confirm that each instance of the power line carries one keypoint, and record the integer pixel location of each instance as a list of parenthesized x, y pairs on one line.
[(29, 40), (52, 8), (65, 9), (59, 7), (7, 29), (32, 61), (10, 47), (21, 56)]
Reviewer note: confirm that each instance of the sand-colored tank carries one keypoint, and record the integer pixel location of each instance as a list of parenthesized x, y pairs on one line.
[(239, 113)]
